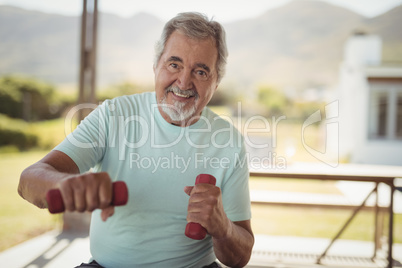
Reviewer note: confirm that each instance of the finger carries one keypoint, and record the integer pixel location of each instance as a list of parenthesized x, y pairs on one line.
[(92, 197), (198, 217), (192, 217), (204, 202), (105, 193), (79, 197), (188, 189), (68, 197), (202, 193), (202, 187), (107, 212), (197, 207), (199, 188)]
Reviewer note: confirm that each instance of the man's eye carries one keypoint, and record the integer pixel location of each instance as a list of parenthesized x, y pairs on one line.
[(201, 73), (173, 67)]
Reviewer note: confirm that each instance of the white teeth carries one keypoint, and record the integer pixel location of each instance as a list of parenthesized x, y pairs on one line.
[(181, 95)]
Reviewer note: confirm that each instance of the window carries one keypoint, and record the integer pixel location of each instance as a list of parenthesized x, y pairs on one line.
[(385, 112), (382, 106), (399, 117)]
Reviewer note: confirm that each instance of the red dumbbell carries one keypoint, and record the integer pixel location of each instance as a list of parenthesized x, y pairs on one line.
[(195, 230), (56, 205)]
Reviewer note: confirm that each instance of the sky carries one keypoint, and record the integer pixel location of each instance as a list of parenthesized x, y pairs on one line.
[(221, 10)]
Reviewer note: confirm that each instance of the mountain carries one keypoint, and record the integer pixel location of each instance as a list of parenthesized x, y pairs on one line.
[(298, 45), (39, 44), (47, 45), (388, 27)]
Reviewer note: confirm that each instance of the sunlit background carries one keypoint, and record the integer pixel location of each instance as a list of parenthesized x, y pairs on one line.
[(316, 81)]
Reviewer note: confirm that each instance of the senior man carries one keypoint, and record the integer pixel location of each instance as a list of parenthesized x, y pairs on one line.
[(157, 143)]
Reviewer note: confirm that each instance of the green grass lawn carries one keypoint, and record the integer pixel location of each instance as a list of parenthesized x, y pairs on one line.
[(19, 220), (50, 132)]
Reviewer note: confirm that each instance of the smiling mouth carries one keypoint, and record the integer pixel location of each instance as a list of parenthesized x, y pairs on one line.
[(182, 93)]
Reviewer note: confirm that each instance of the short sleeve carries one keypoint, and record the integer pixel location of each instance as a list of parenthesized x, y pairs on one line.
[(86, 144)]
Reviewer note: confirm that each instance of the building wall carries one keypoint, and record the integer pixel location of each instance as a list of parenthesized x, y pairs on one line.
[(356, 116), (379, 153)]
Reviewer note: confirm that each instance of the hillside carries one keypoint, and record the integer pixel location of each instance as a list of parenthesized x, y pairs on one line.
[(39, 44), (47, 45), (388, 27), (298, 45)]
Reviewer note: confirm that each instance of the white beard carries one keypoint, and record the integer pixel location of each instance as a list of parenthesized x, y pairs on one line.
[(176, 111)]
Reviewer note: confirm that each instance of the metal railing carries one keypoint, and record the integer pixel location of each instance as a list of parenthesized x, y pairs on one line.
[(359, 173)]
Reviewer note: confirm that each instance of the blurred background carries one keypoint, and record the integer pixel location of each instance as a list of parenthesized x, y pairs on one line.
[(289, 62)]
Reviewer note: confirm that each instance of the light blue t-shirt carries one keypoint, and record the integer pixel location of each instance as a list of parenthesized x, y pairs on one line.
[(128, 138)]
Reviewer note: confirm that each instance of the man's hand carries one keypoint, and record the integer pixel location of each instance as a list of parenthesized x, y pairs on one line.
[(205, 207), (80, 192), (87, 192), (233, 241)]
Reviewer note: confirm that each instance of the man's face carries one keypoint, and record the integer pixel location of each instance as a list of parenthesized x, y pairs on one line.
[(185, 78)]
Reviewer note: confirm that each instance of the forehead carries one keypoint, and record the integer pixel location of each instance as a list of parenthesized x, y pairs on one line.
[(191, 50)]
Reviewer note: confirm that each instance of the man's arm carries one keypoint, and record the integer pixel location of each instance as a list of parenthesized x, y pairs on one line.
[(233, 241), (80, 192), (37, 179), (235, 248)]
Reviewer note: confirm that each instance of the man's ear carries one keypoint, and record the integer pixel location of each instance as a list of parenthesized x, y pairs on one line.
[(216, 87)]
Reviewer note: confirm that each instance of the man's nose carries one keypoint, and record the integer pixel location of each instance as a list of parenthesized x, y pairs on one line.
[(184, 80)]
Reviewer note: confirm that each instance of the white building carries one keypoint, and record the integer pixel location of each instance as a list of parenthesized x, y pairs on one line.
[(370, 104)]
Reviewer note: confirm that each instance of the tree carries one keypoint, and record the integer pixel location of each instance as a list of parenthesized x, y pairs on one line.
[(274, 101), (27, 98), (123, 88)]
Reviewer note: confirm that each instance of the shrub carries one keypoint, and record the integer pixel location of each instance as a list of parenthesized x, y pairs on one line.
[(22, 140), (28, 99), (14, 132)]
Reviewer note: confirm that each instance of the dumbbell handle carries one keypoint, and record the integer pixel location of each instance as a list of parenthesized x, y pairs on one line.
[(195, 230), (56, 205)]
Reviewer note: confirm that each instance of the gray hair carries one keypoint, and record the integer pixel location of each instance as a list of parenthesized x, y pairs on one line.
[(197, 26)]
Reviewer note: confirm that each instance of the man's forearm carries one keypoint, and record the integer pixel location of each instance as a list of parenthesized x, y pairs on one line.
[(234, 250), (36, 180), (44, 175)]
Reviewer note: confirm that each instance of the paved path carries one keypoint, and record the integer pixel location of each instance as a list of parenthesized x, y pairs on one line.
[(50, 250)]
